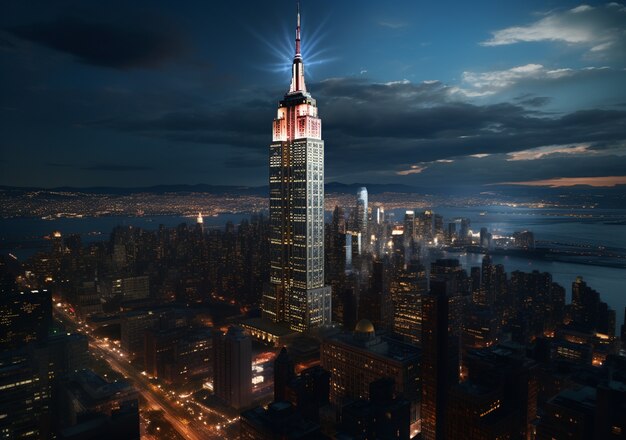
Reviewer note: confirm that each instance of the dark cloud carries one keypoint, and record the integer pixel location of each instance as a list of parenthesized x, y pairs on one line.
[(246, 125), (116, 167), (386, 128), (533, 101), (106, 44), (414, 126)]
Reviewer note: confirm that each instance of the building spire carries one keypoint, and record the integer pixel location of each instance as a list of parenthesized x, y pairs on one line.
[(298, 53), (297, 69)]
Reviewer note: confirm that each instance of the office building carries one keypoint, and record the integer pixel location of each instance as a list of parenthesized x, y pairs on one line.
[(9, 270), (375, 303), (623, 330), (499, 398), (361, 212), (407, 288), (588, 312), (609, 421), (25, 316), (178, 354), (441, 330), (309, 392), (480, 328), (297, 295), (133, 326), (383, 416), (357, 359), (485, 238), (25, 397), (524, 240), (380, 215), (66, 353), (409, 227), (569, 415), (585, 304), (538, 305), (88, 299), (232, 367), (283, 374), (90, 407), (131, 288), (280, 421), (425, 225), (160, 352)]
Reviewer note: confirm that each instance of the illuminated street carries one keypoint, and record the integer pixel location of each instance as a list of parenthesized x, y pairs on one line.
[(189, 418)]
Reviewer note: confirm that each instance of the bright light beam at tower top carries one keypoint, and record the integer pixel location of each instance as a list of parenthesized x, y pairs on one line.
[(297, 73), (283, 52)]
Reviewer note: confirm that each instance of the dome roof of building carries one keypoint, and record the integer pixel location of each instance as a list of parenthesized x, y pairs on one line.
[(364, 326)]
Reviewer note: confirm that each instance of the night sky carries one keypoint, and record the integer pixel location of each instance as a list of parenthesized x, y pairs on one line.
[(428, 94)]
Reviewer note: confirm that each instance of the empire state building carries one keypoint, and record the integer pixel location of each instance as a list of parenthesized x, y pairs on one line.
[(297, 295)]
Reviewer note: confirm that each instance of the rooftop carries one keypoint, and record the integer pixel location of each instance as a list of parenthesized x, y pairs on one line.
[(382, 346), (579, 397), (266, 325)]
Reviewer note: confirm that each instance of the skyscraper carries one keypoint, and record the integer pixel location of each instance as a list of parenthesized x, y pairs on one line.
[(24, 317), (361, 211), (297, 295), (441, 308), (587, 309), (283, 373), (200, 222), (232, 367), (623, 332), (25, 393)]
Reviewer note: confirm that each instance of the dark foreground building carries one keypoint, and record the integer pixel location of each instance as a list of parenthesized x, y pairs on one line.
[(280, 421)]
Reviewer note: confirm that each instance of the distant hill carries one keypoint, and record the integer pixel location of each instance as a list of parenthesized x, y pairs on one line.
[(157, 189), (331, 187)]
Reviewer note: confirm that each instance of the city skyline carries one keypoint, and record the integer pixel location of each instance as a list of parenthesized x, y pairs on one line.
[(426, 242), (527, 94)]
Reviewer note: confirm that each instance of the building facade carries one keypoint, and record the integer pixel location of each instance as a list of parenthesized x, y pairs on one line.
[(357, 359)]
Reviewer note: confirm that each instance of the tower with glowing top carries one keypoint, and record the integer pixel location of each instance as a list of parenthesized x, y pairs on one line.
[(297, 295)]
